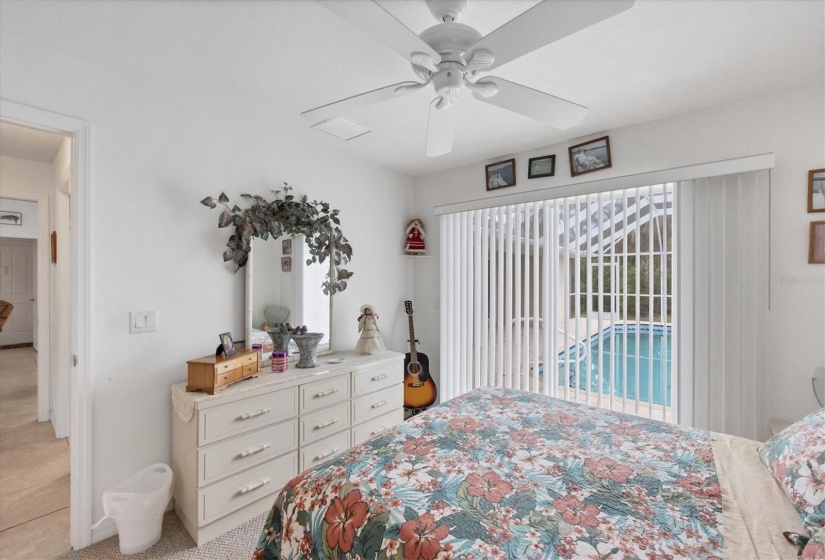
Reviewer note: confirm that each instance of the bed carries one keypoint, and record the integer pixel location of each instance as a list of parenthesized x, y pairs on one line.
[(500, 473)]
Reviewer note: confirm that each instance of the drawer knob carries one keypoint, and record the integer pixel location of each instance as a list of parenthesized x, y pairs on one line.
[(325, 455), (325, 393), (380, 377), (254, 450), (323, 425), (250, 487), (378, 431), (259, 412), (379, 404)]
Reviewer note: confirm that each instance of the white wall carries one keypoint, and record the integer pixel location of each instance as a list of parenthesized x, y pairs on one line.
[(791, 124), (22, 175), (60, 295), (157, 148)]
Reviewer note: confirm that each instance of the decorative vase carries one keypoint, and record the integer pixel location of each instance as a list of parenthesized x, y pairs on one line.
[(307, 348), (280, 341)]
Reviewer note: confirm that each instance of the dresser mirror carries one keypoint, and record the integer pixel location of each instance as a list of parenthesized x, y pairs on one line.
[(285, 287)]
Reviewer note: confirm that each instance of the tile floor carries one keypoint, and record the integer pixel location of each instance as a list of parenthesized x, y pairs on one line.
[(34, 467)]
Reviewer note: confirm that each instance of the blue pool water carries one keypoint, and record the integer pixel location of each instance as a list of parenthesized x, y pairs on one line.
[(624, 338)]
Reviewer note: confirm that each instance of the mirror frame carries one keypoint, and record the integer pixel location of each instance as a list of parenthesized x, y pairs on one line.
[(298, 249)]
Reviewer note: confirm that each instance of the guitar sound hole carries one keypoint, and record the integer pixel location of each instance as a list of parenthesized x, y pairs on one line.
[(414, 368)]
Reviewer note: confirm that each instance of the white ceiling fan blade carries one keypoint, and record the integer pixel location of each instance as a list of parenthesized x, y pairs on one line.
[(440, 129), (343, 106), (382, 25), (533, 103), (543, 24)]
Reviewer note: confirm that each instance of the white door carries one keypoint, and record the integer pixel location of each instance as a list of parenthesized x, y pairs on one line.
[(17, 286)]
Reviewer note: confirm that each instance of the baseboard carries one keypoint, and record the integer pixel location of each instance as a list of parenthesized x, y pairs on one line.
[(13, 346), (104, 531), (109, 529)]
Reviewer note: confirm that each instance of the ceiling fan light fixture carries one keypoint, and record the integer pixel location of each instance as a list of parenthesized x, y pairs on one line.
[(342, 127)]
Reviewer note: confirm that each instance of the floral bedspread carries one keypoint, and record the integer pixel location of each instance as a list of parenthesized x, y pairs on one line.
[(499, 473)]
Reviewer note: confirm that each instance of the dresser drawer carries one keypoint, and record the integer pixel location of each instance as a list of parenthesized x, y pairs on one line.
[(320, 394), (377, 404), (229, 376), (235, 363), (324, 450), (318, 425), (363, 432), (242, 416), (237, 454), (244, 488), (370, 380)]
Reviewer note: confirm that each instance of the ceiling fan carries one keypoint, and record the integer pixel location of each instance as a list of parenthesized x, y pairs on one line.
[(450, 54)]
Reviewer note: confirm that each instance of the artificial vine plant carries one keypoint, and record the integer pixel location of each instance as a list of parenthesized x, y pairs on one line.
[(287, 216)]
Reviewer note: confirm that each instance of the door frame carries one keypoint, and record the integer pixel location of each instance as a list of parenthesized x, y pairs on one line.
[(43, 298), (80, 450)]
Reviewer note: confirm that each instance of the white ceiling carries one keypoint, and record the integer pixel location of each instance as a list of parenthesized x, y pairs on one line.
[(28, 143), (660, 58)]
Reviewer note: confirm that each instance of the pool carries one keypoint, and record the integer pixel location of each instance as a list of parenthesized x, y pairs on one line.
[(624, 337)]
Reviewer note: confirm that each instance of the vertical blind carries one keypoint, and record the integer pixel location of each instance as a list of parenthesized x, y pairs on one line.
[(723, 301), (568, 297)]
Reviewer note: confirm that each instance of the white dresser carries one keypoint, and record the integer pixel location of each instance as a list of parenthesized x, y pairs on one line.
[(233, 452)]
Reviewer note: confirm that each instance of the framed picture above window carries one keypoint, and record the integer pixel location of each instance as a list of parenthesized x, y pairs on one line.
[(543, 166), (816, 190), (500, 174), (816, 250), (590, 156)]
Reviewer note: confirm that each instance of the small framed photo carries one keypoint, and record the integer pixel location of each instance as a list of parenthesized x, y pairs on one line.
[(286, 246), (544, 166), (10, 218), (227, 343), (286, 264), (590, 156), (816, 190), (816, 252), (500, 174)]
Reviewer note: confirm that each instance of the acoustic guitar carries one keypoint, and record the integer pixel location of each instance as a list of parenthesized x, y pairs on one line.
[(419, 388)]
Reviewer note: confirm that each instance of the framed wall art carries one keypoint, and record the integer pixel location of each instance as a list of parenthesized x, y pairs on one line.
[(816, 249), (10, 218), (816, 190), (590, 156), (500, 174), (543, 166)]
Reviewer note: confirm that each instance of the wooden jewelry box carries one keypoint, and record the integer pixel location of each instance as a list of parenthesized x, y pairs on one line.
[(213, 374)]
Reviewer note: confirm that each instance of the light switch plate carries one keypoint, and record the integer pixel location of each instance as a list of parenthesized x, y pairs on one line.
[(143, 321)]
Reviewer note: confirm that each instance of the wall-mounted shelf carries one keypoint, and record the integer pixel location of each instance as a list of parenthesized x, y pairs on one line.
[(417, 256)]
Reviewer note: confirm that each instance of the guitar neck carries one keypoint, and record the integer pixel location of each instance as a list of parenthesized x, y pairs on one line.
[(413, 353)]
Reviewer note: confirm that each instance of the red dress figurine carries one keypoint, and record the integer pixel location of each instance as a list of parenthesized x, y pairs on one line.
[(415, 237)]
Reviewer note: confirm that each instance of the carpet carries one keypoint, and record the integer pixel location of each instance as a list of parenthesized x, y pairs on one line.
[(176, 544)]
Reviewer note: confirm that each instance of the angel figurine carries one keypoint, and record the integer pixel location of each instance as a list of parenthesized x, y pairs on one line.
[(370, 341), (415, 237)]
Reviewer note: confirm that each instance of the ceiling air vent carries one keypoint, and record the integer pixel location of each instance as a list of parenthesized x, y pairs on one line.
[(342, 127)]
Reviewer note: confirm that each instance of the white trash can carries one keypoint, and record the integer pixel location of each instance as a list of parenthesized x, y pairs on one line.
[(137, 505)]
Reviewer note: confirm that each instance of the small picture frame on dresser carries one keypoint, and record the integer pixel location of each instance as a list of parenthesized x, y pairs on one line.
[(227, 344)]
